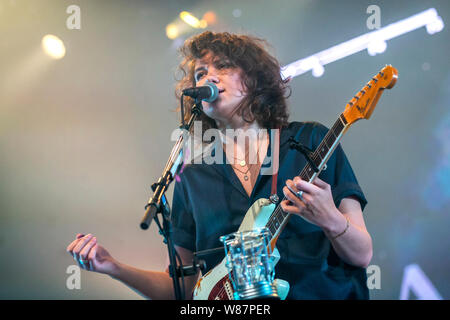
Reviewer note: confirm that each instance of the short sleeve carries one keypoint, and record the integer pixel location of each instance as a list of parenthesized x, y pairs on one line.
[(339, 173), (183, 223)]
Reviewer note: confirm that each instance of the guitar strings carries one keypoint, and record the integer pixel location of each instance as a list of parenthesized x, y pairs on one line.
[(273, 219)]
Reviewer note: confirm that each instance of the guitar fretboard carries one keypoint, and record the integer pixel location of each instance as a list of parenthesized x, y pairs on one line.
[(319, 157)]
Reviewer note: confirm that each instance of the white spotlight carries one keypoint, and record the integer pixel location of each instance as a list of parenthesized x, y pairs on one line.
[(377, 46), (318, 71), (435, 26), (53, 46)]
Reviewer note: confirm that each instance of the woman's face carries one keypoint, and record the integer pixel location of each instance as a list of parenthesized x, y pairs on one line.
[(229, 82)]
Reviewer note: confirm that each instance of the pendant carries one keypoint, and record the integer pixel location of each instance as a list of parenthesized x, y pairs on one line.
[(242, 163), (245, 177)]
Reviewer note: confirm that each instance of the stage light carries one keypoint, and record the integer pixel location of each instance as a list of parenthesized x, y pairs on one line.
[(375, 42), (192, 20), (186, 22), (376, 46), (318, 71), (53, 46), (172, 31), (435, 26), (203, 24), (209, 17)]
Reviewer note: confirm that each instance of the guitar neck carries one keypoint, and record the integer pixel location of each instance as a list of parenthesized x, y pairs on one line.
[(320, 156)]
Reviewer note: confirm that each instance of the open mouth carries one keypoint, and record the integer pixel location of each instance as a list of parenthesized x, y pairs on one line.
[(221, 90)]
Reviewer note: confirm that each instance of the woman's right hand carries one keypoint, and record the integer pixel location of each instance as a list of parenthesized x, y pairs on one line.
[(90, 255)]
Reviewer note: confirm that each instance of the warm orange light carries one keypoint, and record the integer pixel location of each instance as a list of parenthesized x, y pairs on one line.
[(210, 17)]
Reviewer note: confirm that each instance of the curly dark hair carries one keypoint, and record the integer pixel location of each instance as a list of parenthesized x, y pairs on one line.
[(266, 98)]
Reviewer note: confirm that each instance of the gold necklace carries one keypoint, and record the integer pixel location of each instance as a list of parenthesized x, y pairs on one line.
[(242, 162), (248, 167)]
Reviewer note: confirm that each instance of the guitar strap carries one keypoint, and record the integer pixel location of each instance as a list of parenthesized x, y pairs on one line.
[(275, 162)]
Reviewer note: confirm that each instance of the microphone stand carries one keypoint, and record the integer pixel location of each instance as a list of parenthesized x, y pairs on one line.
[(158, 204)]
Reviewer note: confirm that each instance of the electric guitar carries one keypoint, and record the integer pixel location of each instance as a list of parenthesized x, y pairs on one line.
[(216, 284)]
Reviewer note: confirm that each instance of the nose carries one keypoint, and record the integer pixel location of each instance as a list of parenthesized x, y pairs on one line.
[(213, 78)]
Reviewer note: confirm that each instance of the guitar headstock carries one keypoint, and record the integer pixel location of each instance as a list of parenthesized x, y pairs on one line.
[(364, 102)]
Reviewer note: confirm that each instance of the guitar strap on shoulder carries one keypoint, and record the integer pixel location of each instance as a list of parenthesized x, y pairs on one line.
[(275, 161)]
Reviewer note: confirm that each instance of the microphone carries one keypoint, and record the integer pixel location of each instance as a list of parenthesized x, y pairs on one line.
[(209, 92)]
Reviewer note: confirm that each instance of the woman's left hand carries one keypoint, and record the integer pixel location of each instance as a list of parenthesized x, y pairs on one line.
[(317, 206)]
